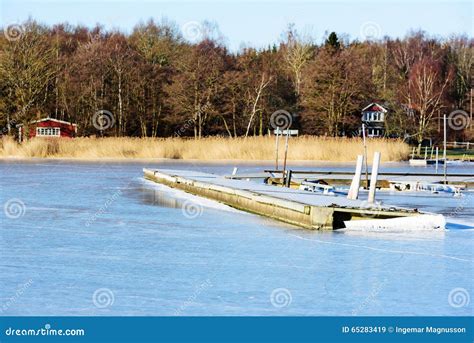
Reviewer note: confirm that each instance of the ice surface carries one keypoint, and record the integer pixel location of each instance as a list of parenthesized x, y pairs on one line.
[(87, 227)]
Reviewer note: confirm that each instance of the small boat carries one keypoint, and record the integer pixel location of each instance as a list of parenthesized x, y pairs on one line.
[(320, 186), (412, 223), (417, 186)]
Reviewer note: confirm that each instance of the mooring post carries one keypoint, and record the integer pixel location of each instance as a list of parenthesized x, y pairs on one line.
[(445, 166), (276, 148), (431, 155), (426, 152), (413, 153), (286, 154), (234, 172), (355, 185), (365, 157), (373, 176), (288, 178), (436, 163)]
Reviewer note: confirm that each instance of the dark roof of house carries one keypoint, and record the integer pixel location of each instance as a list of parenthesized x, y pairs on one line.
[(374, 107)]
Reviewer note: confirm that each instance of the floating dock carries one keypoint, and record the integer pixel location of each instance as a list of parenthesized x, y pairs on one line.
[(464, 180), (293, 206)]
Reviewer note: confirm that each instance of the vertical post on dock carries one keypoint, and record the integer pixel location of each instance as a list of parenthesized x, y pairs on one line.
[(470, 109), (436, 164), (288, 178), (445, 166), (431, 155), (286, 154), (365, 157), (426, 152), (355, 185), (373, 177), (276, 146)]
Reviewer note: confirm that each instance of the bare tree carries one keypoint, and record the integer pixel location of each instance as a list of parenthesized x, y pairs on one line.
[(26, 70), (297, 52), (427, 86)]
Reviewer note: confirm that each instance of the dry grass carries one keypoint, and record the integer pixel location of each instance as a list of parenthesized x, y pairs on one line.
[(307, 148)]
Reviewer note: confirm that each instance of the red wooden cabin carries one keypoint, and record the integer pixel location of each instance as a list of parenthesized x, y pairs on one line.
[(50, 127)]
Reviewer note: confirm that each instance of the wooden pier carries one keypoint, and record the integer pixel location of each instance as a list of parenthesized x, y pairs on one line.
[(464, 180), (293, 206)]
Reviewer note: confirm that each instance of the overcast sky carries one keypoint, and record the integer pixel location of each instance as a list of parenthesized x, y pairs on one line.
[(257, 23)]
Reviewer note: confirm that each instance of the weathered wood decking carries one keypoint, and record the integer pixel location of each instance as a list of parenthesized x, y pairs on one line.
[(301, 208)]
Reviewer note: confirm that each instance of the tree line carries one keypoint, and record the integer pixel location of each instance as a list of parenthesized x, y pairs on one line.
[(155, 82)]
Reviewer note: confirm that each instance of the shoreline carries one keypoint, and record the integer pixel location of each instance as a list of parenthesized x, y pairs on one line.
[(167, 160)]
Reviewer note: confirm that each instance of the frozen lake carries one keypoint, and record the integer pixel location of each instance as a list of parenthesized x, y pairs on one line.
[(81, 238)]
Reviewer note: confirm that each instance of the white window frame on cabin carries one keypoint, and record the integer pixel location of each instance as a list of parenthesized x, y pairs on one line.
[(48, 131)]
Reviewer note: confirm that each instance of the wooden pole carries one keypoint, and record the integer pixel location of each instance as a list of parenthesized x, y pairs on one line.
[(365, 157), (470, 110), (288, 178), (355, 185), (436, 165), (373, 177), (276, 146), (286, 153), (445, 167)]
